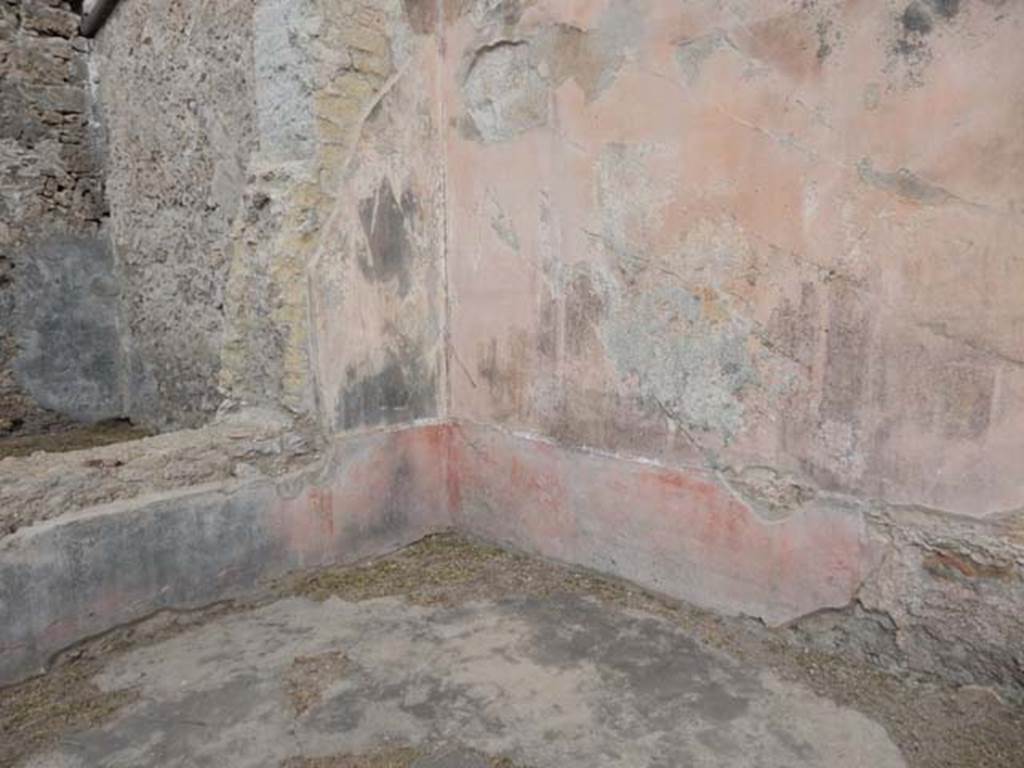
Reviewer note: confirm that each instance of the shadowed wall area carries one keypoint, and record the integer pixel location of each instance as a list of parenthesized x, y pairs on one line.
[(720, 297)]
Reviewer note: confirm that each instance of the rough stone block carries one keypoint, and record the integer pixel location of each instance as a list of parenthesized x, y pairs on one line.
[(46, 20)]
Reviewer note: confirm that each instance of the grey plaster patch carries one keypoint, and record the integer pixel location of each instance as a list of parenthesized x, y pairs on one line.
[(70, 356), (555, 682), (401, 390), (486, 13), (692, 54), (508, 81), (282, 34), (505, 94), (903, 183), (694, 369), (670, 330), (594, 57)]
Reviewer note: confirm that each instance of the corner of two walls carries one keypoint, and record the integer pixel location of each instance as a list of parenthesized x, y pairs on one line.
[(720, 299), (356, 239), (704, 297), (370, 229), (735, 309)]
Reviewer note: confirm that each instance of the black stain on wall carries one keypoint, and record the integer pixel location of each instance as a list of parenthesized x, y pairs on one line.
[(585, 309), (947, 9), (401, 391), (916, 19), (385, 224)]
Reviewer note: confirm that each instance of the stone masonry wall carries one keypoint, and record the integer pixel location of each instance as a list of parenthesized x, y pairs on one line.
[(59, 341), (277, 218), (175, 88)]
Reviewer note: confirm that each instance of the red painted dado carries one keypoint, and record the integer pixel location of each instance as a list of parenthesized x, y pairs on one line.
[(678, 531), (379, 490)]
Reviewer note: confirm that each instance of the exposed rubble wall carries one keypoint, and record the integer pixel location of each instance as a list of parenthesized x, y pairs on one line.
[(274, 180), (277, 217), (60, 349), (775, 248), (174, 87)]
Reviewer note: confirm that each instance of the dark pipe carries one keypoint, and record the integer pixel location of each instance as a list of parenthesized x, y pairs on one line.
[(97, 17)]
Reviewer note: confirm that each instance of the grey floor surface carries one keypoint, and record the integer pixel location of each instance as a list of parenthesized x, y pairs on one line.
[(544, 682)]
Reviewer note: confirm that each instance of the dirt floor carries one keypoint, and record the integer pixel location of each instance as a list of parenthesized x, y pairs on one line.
[(454, 654), (63, 436)]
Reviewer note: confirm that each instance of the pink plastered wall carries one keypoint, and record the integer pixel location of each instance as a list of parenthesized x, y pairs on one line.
[(746, 235)]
